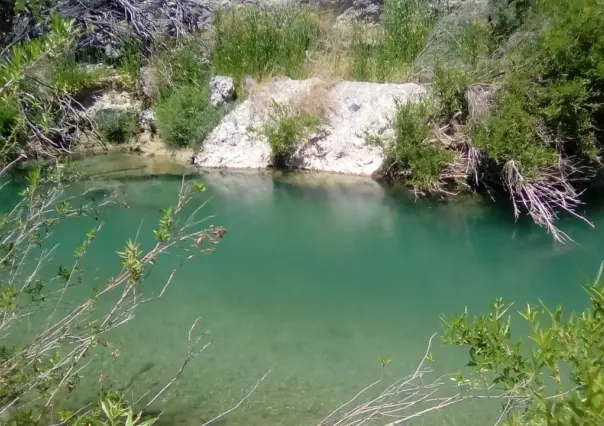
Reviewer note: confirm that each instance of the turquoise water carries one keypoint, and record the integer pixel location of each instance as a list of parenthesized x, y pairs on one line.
[(318, 279)]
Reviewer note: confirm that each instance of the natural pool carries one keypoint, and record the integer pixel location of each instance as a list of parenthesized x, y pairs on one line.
[(319, 278)]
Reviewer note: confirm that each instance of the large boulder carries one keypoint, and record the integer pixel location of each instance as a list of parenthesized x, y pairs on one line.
[(356, 110)]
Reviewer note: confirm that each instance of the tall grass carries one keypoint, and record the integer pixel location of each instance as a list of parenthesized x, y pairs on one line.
[(388, 53), (264, 41)]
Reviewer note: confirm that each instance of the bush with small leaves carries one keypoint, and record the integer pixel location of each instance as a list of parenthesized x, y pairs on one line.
[(555, 377), (116, 125), (186, 116)]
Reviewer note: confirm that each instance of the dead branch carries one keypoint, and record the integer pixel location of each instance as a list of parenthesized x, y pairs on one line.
[(545, 195)]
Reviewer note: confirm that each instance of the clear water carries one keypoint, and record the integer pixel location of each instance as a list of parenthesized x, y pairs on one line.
[(319, 278)]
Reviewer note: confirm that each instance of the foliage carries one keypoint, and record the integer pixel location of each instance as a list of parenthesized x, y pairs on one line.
[(508, 15), (116, 125), (285, 131), (510, 134), (407, 26), (557, 378), (473, 42), (186, 116), (264, 41), (180, 63), (49, 358), (450, 87), (412, 154), (68, 77), (24, 117), (405, 30)]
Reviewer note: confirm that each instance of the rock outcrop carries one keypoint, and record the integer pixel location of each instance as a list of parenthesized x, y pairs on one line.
[(356, 110)]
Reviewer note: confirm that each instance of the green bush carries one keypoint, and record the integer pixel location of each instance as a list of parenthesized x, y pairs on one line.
[(412, 155), (70, 77), (508, 15), (389, 55), (116, 125), (552, 103), (510, 135), (450, 87), (285, 131), (186, 116), (555, 377), (264, 41)]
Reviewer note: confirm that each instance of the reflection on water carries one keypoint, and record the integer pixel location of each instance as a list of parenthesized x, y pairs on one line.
[(319, 278)]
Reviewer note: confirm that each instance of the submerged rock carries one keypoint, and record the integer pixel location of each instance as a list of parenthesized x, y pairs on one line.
[(356, 110)]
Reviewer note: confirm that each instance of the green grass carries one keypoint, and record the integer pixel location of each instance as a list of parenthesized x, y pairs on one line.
[(264, 41), (180, 63), (389, 55), (116, 125)]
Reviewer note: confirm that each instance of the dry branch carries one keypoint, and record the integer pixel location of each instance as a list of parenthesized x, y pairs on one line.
[(545, 195)]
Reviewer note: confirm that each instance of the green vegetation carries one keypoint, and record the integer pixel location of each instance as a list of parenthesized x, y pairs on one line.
[(264, 42), (412, 153), (116, 125), (44, 363), (286, 130), (186, 116), (556, 378)]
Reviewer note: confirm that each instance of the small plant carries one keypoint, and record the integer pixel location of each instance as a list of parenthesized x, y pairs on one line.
[(186, 116), (412, 154), (69, 77), (474, 42), (285, 131), (264, 41), (116, 125)]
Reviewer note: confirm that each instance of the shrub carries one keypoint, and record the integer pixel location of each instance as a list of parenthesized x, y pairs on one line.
[(264, 41), (473, 42), (555, 377), (69, 77), (450, 88), (389, 53), (186, 116), (116, 125), (412, 154), (508, 15)]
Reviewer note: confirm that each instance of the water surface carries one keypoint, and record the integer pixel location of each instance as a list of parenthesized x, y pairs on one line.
[(319, 278)]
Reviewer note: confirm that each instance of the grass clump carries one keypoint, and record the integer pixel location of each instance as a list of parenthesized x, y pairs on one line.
[(116, 125), (261, 41), (285, 130), (413, 155), (186, 116)]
